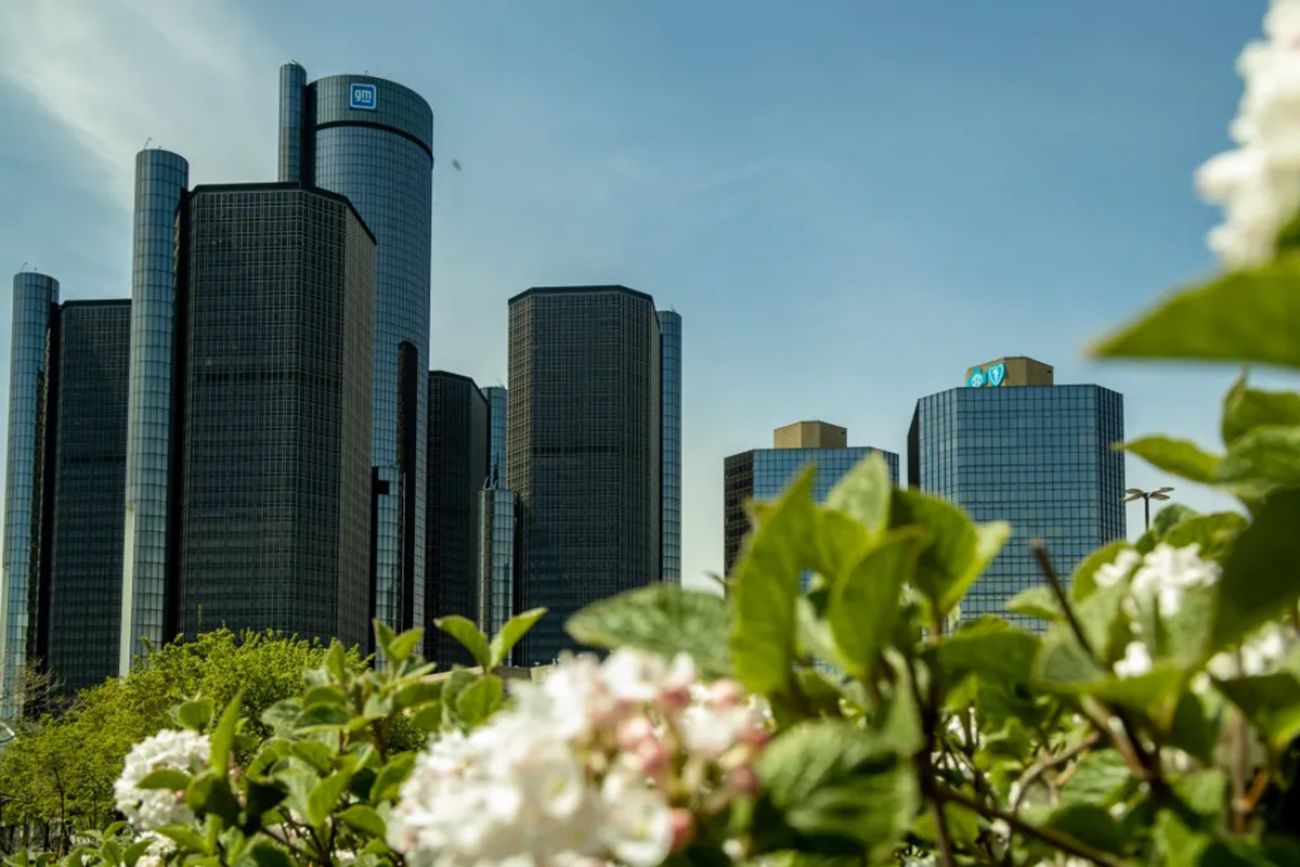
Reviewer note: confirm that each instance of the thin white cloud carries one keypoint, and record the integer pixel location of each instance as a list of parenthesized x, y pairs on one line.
[(192, 76)]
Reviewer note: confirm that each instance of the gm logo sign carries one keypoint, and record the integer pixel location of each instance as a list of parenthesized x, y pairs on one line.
[(993, 377), (363, 96)]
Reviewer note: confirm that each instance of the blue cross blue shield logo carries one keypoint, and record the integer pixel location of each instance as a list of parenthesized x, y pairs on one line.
[(976, 378), (997, 373), (363, 96)]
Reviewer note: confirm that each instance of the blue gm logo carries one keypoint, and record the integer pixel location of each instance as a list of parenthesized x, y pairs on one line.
[(363, 96), (997, 373), (976, 378)]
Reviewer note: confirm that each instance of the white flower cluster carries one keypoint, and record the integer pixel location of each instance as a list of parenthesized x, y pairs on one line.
[(1161, 580), (1258, 184), (149, 809), (598, 763)]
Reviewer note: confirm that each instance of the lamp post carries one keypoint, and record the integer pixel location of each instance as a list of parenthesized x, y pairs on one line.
[(1146, 497)]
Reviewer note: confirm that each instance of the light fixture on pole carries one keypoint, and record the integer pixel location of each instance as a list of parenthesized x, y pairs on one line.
[(1146, 497)]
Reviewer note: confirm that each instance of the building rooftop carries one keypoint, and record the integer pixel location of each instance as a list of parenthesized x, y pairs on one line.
[(810, 435)]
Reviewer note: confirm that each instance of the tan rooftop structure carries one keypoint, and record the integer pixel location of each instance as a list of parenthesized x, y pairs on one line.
[(1011, 371), (810, 435)]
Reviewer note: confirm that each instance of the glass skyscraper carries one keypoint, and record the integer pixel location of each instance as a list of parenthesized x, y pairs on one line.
[(670, 327), (584, 450), (458, 467), (762, 474), (1013, 446), (83, 597), (160, 181), (35, 300), (371, 140), (496, 562), (274, 528)]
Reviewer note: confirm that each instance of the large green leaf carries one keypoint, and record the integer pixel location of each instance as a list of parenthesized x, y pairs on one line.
[(1091, 824), (1261, 461), (864, 602), (988, 646), (511, 632), (661, 618), (471, 638), (1214, 533), (958, 551), (1245, 409), (864, 494), (1261, 574), (1271, 702), (1251, 315), (1183, 458), (1097, 778), (479, 700), (325, 794), (766, 582), (1063, 667), (223, 736), (836, 788)]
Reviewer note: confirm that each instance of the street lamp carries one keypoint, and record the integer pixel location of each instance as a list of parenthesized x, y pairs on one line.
[(1146, 497)]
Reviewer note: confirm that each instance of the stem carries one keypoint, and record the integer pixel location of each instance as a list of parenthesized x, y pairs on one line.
[(1239, 758), (928, 708), (1048, 763), (1064, 842), (1058, 589)]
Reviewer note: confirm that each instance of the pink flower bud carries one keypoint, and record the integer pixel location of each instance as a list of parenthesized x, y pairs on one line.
[(632, 731), (743, 780), (683, 825), (652, 757), (725, 693), (753, 735)]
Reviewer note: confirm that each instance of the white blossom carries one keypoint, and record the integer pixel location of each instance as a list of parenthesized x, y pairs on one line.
[(1258, 184), (1118, 569), (1261, 653), (1167, 573), (1136, 661), (150, 809)]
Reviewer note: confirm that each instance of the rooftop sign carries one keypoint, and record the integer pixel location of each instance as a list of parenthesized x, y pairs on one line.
[(978, 377), (363, 96)]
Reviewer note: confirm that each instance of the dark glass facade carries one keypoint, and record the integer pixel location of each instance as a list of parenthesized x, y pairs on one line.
[(160, 181), (35, 300), (496, 563), (458, 466), (670, 328), (275, 495), (762, 474), (371, 140), (84, 597), (584, 450), (1039, 457)]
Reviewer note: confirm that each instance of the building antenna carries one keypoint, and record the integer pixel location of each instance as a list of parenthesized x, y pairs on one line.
[(146, 143), (24, 268)]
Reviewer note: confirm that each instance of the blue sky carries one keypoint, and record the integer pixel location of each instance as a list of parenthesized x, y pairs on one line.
[(848, 202)]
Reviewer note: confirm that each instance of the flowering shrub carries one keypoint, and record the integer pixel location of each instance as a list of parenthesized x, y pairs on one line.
[(1153, 718)]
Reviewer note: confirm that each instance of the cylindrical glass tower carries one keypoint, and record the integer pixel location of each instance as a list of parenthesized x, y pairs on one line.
[(160, 181), (371, 140), (34, 298), (670, 357)]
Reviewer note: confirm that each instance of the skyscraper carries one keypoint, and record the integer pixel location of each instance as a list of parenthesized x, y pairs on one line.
[(584, 450), (670, 327), (371, 140), (1011, 445), (458, 466), (496, 562), (762, 474), (83, 572), (35, 300), (147, 601)]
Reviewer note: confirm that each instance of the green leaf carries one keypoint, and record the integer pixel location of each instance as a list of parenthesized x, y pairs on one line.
[(1183, 458), (209, 793), (989, 646), (224, 735), (864, 603), (133, 852), (184, 836), (267, 855), (1214, 533), (336, 661), (766, 582), (391, 777), (836, 787), (864, 494), (1091, 824), (314, 753), (1037, 602), (1099, 777), (660, 618), (470, 636), (1271, 702), (478, 701), (364, 819), (511, 631), (1245, 409), (402, 646), (1250, 316), (1265, 460), (417, 693), (1259, 579), (165, 778), (322, 716), (958, 551), (384, 636), (327, 694), (194, 715), (324, 795)]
